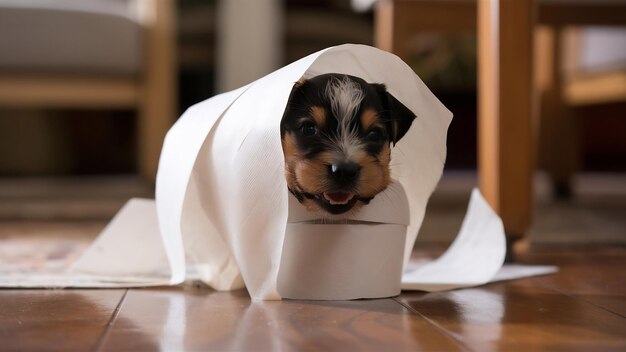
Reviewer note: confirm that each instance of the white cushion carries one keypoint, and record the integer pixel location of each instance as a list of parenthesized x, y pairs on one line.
[(69, 36)]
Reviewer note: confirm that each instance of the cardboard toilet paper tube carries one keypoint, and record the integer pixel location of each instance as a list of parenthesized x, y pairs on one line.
[(341, 261), (325, 259)]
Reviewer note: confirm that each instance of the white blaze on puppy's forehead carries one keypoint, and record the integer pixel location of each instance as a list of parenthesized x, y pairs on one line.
[(345, 97)]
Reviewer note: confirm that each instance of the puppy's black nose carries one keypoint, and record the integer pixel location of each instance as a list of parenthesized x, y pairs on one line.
[(344, 173)]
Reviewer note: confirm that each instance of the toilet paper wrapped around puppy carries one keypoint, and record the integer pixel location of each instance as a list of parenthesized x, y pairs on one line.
[(224, 214), (221, 195)]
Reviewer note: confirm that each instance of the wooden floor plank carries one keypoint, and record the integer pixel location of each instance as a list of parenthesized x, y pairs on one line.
[(60, 320), (594, 274), (202, 319), (520, 315), (613, 304)]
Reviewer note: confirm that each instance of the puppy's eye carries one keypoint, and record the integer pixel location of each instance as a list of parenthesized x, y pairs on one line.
[(308, 129), (375, 135)]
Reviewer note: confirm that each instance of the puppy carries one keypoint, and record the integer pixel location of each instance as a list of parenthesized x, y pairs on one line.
[(337, 132)]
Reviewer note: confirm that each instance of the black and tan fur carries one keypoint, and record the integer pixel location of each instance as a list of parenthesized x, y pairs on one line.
[(337, 132)]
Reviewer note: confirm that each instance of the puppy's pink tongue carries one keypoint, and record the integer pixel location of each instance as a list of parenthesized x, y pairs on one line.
[(339, 197)]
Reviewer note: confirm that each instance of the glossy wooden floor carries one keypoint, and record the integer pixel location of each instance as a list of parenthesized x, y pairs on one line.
[(581, 308)]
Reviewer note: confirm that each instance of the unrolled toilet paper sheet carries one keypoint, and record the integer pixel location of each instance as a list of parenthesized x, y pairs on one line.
[(474, 258)]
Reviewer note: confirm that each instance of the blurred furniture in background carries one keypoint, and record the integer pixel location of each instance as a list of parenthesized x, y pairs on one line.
[(506, 88), (576, 67), (248, 29), (96, 54), (297, 28), (278, 32)]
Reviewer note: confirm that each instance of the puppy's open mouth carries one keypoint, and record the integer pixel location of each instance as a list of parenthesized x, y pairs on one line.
[(338, 198), (336, 202)]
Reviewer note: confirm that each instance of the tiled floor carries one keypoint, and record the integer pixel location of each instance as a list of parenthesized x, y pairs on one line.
[(583, 307)]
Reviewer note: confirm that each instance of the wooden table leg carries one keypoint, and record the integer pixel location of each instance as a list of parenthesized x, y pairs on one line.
[(506, 105)]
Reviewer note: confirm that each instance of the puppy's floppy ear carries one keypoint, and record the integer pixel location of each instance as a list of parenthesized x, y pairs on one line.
[(297, 88), (399, 116), (299, 83)]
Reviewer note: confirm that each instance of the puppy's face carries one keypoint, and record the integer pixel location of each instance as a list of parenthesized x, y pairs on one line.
[(336, 132)]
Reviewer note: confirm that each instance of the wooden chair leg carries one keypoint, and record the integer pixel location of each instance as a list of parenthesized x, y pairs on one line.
[(155, 118), (157, 110), (559, 129), (505, 31)]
